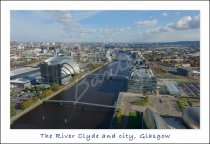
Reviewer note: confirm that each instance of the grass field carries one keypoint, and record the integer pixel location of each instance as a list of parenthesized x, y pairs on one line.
[(182, 103), (142, 102), (133, 121)]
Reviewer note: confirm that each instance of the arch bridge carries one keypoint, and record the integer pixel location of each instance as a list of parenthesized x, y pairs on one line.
[(105, 76)]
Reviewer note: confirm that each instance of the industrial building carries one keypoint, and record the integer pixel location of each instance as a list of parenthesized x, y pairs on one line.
[(172, 89), (184, 71), (143, 80), (20, 82), (24, 77), (58, 69), (21, 72)]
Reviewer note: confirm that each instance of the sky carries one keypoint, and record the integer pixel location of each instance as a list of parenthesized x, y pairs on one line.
[(104, 26)]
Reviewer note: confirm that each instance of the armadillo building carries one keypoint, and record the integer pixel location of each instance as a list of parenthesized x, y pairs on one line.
[(58, 70)]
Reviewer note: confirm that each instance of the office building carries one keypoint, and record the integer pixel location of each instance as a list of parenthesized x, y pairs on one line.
[(143, 80)]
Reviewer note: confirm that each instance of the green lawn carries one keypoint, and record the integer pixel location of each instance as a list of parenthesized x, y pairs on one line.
[(182, 103), (142, 102), (133, 122), (119, 118)]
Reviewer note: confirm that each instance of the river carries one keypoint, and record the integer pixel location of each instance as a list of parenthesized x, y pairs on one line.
[(95, 89)]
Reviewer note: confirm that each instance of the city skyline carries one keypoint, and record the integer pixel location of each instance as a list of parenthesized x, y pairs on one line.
[(105, 26), (107, 81)]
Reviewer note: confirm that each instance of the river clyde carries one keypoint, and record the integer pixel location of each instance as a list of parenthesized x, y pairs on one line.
[(96, 89)]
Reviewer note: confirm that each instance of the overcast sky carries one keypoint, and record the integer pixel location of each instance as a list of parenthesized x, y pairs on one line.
[(105, 26)]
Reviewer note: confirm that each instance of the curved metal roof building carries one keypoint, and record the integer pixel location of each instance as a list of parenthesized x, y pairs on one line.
[(58, 59), (68, 65), (191, 117), (58, 69), (153, 120)]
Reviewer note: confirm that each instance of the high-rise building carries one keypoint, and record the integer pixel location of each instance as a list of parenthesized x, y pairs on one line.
[(143, 80)]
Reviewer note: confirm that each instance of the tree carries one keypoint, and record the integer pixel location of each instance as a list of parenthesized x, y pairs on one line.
[(147, 101), (12, 109), (119, 117), (26, 104), (35, 99), (55, 87), (45, 94)]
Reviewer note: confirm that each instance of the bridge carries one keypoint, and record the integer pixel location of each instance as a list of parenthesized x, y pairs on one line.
[(107, 76), (81, 103)]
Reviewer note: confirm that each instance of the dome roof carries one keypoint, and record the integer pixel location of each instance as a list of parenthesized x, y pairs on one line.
[(68, 65), (191, 117), (59, 59), (153, 120)]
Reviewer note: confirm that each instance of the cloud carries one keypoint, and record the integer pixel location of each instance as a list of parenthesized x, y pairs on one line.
[(170, 36), (113, 31), (187, 22), (164, 14), (177, 13), (184, 23), (160, 29), (146, 23), (70, 26), (81, 15), (63, 17)]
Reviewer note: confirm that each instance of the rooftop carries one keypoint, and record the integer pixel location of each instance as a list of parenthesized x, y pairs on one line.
[(35, 75), (143, 73), (20, 80), (191, 117), (174, 122), (59, 59), (153, 120), (22, 70), (171, 86)]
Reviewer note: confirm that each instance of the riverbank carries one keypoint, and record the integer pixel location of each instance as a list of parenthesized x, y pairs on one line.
[(63, 88)]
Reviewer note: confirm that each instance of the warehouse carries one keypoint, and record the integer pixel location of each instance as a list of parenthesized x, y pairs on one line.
[(20, 82), (21, 72), (172, 89)]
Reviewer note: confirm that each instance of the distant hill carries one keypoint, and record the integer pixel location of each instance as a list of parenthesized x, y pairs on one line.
[(179, 43)]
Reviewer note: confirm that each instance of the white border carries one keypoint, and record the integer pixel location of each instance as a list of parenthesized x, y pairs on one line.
[(177, 136)]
